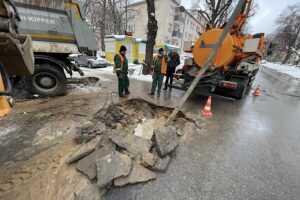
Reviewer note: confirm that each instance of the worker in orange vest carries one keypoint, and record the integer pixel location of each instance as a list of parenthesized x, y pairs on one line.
[(159, 71)]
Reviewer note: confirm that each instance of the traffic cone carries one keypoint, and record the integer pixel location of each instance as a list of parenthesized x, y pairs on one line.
[(257, 91), (207, 109)]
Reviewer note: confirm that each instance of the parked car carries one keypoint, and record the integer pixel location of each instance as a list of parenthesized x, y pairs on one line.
[(90, 62)]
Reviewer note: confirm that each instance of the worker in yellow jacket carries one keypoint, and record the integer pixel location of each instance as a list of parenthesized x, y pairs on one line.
[(158, 72)]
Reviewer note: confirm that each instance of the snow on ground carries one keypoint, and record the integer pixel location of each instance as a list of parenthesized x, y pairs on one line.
[(286, 69), (134, 72)]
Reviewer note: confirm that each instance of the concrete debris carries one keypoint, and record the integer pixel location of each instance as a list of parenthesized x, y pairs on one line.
[(84, 138), (94, 129), (112, 166), (161, 164), (80, 155), (165, 140), (145, 129), (148, 159), (138, 174), (87, 165), (133, 144), (91, 192)]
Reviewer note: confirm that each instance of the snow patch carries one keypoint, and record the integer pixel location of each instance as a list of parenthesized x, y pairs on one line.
[(135, 72), (285, 69)]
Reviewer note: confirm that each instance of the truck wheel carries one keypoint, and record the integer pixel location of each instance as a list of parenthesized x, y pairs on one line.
[(90, 65), (47, 80)]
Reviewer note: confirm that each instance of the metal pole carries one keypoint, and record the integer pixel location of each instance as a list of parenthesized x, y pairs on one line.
[(126, 14), (207, 62)]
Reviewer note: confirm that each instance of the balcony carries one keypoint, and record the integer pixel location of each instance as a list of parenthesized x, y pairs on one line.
[(177, 35), (179, 19)]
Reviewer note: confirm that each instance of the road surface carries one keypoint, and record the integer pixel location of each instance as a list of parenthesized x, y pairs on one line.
[(248, 150)]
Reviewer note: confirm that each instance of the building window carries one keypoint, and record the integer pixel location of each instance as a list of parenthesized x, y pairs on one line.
[(131, 28)]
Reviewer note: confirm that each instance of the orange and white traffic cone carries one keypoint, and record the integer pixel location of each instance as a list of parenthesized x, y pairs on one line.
[(257, 91), (207, 109)]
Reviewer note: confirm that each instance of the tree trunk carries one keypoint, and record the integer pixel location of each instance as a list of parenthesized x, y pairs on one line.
[(151, 36), (287, 56), (103, 26)]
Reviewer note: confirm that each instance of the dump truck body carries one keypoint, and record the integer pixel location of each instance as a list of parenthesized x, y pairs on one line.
[(58, 29)]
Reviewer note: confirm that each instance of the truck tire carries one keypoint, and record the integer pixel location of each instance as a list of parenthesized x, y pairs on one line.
[(47, 80)]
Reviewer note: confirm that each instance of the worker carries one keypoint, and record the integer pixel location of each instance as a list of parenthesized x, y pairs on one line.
[(171, 67), (121, 69), (158, 71)]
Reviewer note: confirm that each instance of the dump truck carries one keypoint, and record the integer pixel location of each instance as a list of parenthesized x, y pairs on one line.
[(16, 53), (235, 65), (58, 28)]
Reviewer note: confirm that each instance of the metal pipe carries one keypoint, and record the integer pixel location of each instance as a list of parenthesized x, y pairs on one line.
[(6, 82)]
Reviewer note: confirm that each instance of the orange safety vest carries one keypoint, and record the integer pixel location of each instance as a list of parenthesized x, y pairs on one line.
[(163, 63), (122, 62)]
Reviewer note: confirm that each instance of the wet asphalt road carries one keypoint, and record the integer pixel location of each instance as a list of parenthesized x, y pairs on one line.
[(248, 150)]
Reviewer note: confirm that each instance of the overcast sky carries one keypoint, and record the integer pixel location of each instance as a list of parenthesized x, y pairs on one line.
[(268, 12)]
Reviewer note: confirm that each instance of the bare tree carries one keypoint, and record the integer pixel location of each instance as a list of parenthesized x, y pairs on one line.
[(288, 30), (216, 12), (106, 17), (151, 35)]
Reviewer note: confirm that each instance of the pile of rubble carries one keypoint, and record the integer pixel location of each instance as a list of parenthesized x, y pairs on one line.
[(123, 158)]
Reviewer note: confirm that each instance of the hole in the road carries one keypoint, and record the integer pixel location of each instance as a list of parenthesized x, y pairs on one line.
[(135, 114), (84, 81)]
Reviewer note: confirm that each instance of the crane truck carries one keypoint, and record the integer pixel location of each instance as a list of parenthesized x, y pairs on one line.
[(57, 29), (233, 69)]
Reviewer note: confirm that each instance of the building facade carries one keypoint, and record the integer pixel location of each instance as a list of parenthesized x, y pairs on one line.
[(175, 24)]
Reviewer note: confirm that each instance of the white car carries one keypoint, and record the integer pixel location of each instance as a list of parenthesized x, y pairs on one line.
[(90, 62)]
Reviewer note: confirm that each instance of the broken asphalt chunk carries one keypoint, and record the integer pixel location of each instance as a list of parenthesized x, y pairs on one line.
[(87, 165), (138, 174), (148, 159), (112, 166), (133, 144), (81, 155), (161, 164), (165, 140)]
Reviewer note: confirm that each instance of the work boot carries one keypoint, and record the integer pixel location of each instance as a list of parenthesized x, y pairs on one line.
[(122, 95), (127, 93), (165, 88), (158, 94), (151, 93)]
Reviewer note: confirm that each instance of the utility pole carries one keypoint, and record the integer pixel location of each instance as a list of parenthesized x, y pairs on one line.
[(126, 14)]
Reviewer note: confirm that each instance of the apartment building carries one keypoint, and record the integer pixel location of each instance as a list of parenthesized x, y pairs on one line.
[(175, 23)]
